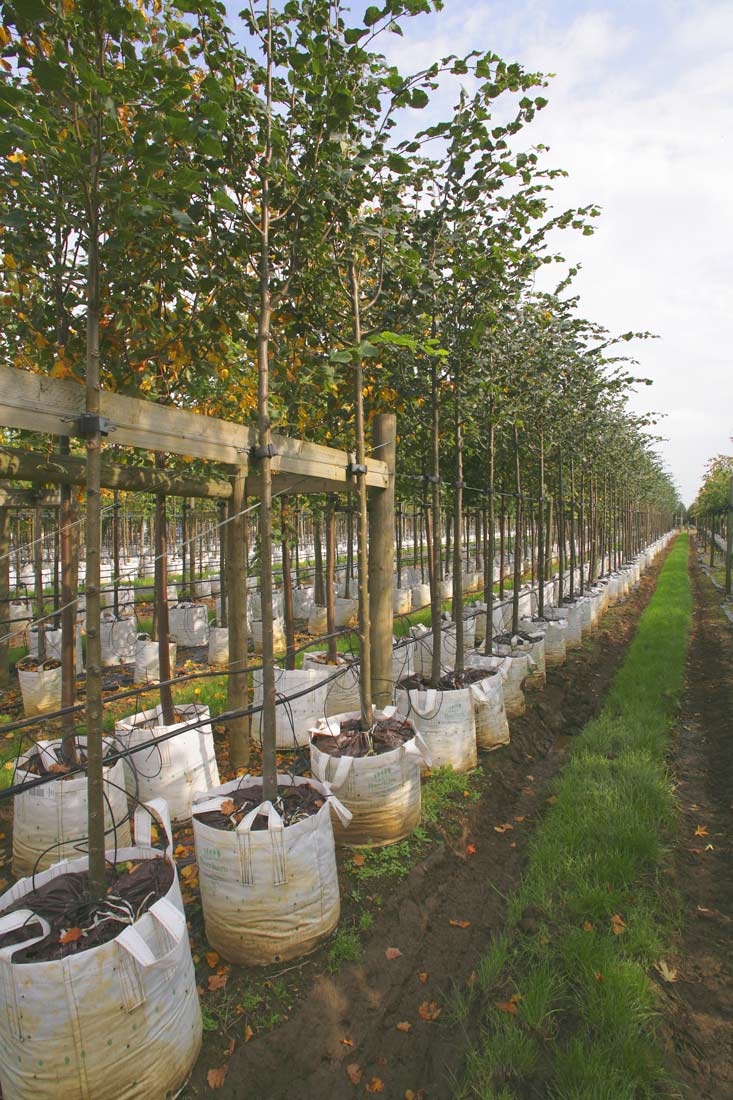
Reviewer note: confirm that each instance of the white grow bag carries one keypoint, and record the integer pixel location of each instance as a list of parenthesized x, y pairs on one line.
[(189, 623), (278, 635), (446, 722), (572, 616), (302, 602), (118, 638), (492, 727), (401, 600), (19, 614), (50, 820), (267, 895), (534, 648), (420, 596), (346, 612), (219, 646), (116, 1022), (342, 693), (176, 768), (516, 668), (40, 689), (53, 645), (448, 645), (294, 717), (555, 634), (381, 792), (147, 659)]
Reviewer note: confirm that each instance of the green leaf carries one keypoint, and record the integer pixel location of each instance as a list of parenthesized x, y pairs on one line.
[(340, 356), (367, 350), (419, 98), (50, 77), (398, 164), (372, 15)]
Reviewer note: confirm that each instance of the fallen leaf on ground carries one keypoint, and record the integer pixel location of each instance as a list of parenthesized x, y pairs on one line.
[(218, 980), (71, 935), (215, 1078), (519, 818), (668, 973), (618, 924), (587, 926), (248, 1033), (428, 1010), (510, 1006), (392, 953), (598, 976), (353, 1072), (471, 979), (347, 1042), (701, 830), (470, 849), (552, 800), (358, 860), (375, 1085), (709, 848), (503, 828), (410, 1095), (460, 923), (212, 959), (423, 976), (404, 1025), (228, 807)]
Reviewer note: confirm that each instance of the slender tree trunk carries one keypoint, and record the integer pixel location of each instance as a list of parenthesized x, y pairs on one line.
[(457, 532), (541, 532), (68, 531), (332, 650), (237, 681), (288, 610), (435, 601), (517, 534), (362, 527), (161, 603), (489, 563), (6, 628), (94, 711), (319, 589), (560, 532)]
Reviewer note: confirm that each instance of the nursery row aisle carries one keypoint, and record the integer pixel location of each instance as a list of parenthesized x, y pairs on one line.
[(698, 1031), (390, 1023)]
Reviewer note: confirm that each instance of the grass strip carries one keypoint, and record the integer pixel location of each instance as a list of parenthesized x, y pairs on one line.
[(564, 996)]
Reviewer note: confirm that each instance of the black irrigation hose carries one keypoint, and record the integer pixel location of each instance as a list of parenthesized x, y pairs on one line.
[(121, 754)]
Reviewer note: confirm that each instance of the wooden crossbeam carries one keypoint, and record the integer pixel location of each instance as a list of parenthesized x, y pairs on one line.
[(38, 403)]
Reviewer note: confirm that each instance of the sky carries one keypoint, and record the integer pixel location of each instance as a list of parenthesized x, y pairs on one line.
[(639, 115)]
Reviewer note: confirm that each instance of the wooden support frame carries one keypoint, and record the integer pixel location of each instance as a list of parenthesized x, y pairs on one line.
[(38, 403)]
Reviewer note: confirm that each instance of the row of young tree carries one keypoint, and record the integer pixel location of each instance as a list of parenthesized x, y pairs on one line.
[(265, 228)]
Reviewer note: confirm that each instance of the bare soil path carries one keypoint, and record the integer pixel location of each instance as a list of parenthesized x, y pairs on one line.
[(698, 1030)]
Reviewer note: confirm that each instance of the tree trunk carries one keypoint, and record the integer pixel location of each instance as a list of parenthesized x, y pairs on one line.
[(237, 681)]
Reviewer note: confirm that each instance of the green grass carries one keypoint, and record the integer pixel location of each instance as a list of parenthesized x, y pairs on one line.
[(597, 890)]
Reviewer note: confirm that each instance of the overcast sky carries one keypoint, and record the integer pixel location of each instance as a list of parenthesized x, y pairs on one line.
[(639, 114)]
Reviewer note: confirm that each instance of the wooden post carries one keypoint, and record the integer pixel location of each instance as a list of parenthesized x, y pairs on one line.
[(237, 691), (381, 561)]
